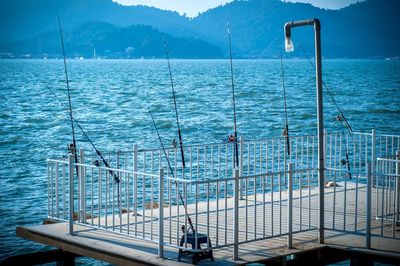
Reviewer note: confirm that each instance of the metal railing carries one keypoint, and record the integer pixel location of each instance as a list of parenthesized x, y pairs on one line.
[(271, 194), (388, 194)]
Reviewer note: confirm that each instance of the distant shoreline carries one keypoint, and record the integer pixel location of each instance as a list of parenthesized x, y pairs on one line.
[(200, 59)]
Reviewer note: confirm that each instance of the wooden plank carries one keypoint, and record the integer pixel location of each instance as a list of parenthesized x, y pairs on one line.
[(97, 244)]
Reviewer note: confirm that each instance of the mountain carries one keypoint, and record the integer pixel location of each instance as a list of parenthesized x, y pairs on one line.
[(366, 29), (109, 41), (26, 18), (363, 30)]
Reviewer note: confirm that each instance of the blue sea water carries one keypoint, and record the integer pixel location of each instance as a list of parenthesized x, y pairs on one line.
[(110, 100)]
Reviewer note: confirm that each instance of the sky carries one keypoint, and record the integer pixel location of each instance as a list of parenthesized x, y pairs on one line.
[(193, 7)]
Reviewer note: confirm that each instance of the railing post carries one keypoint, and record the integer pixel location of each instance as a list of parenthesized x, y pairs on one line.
[(135, 179), (241, 167), (236, 217), (161, 214), (82, 185), (290, 206), (321, 179), (368, 209), (71, 193), (373, 153), (397, 186)]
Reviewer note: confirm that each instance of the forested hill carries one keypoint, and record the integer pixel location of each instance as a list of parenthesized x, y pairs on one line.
[(101, 39), (364, 30)]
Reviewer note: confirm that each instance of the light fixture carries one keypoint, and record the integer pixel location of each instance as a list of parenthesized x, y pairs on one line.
[(289, 47)]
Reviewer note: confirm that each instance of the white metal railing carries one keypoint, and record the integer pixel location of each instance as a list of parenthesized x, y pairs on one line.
[(388, 193), (273, 193), (148, 206)]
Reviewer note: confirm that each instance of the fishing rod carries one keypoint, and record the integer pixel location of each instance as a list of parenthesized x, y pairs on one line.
[(340, 118), (176, 109), (233, 97), (286, 131), (346, 161), (73, 148), (107, 165), (116, 178), (343, 118), (170, 169)]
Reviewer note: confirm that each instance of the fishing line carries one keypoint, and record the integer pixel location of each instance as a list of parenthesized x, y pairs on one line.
[(340, 118), (72, 120), (233, 96), (176, 109), (330, 94), (116, 178), (170, 169)]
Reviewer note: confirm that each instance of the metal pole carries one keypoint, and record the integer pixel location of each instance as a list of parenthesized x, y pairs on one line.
[(368, 210), (236, 217), (71, 193), (241, 166), (161, 214), (397, 186), (290, 206), (321, 165), (82, 182), (318, 69), (135, 184), (373, 152)]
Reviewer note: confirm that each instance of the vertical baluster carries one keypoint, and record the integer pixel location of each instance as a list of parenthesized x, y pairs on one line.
[(191, 169), (263, 206), (178, 216), (135, 184), (57, 190), (49, 173), (255, 207), (106, 198), (92, 193), (99, 199), (64, 191)]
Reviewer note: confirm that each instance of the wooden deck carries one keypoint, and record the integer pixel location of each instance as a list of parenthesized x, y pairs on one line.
[(120, 249)]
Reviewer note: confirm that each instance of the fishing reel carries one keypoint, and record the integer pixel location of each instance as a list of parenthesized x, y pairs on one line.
[(191, 237), (338, 118), (284, 133), (344, 162), (71, 148)]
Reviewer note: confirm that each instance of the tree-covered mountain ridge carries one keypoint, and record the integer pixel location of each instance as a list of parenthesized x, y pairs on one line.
[(104, 40), (363, 30)]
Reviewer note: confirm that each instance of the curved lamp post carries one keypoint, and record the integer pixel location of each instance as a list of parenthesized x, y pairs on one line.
[(290, 48)]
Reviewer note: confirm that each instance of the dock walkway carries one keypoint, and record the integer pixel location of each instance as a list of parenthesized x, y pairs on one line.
[(121, 249)]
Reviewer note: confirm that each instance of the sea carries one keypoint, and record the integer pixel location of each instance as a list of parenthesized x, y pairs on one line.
[(110, 100)]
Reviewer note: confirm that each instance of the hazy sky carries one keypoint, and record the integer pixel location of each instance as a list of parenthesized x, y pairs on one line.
[(193, 7)]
